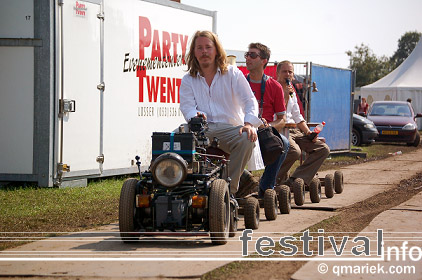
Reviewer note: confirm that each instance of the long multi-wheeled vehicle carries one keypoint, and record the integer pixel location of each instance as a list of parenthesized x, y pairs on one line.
[(184, 192)]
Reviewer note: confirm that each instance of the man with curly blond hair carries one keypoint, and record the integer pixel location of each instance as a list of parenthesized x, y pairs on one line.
[(220, 93)]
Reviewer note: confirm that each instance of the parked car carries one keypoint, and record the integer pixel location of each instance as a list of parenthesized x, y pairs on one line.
[(395, 121), (363, 131)]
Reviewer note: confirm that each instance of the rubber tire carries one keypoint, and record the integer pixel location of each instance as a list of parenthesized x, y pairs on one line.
[(315, 190), (219, 212), (417, 139), (127, 210), (270, 204), (284, 199), (233, 220), (329, 185), (338, 181), (299, 191), (251, 215), (356, 138)]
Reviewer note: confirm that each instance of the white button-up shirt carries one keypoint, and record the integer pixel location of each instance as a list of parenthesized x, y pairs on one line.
[(293, 114), (229, 99)]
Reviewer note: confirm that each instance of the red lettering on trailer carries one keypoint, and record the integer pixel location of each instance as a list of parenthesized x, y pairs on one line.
[(183, 43), (171, 92), (160, 44), (80, 9), (178, 83), (156, 49), (175, 40), (163, 90), (141, 74), (144, 36), (166, 88), (166, 46), (152, 86)]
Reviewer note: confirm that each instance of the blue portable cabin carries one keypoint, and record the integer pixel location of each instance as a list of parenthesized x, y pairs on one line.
[(332, 103)]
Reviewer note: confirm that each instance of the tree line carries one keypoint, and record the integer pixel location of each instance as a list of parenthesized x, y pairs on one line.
[(370, 68)]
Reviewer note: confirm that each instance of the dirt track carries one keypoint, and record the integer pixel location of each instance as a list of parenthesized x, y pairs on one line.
[(361, 181)]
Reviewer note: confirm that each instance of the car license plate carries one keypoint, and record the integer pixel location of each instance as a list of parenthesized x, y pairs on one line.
[(389, 132)]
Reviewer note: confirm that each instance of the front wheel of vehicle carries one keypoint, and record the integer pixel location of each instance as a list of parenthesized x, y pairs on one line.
[(234, 216), (219, 212), (329, 185), (299, 191), (315, 190), (338, 181), (127, 210), (270, 204), (284, 199), (417, 139), (356, 139), (251, 214)]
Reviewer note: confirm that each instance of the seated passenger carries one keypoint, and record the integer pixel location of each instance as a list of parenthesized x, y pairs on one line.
[(271, 103), (317, 150), (221, 94)]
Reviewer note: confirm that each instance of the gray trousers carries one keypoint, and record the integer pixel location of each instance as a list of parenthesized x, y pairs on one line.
[(316, 154), (238, 146)]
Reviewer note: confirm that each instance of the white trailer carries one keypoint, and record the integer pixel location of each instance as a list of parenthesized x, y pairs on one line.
[(84, 84)]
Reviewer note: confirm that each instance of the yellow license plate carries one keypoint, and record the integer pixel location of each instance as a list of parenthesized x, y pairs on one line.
[(389, 132)]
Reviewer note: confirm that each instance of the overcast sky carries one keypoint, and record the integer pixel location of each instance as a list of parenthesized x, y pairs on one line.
[(320, 31)]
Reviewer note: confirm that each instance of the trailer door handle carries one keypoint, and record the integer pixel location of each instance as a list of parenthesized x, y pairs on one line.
[(67, 106)]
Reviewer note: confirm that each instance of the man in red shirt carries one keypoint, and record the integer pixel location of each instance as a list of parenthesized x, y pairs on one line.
[(272, 109)]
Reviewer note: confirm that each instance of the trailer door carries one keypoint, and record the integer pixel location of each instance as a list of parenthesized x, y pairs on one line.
[(79, 75)]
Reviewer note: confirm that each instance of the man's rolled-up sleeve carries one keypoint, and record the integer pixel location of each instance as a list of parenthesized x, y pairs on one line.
[(188, 104)]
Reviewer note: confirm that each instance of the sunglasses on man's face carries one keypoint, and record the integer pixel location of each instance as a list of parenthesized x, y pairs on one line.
[(252, 55)]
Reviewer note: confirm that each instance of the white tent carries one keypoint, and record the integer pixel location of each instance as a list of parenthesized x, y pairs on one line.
[(402, 83)]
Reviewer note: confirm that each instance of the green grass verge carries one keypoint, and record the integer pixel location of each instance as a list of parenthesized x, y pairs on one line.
[(57, 210)]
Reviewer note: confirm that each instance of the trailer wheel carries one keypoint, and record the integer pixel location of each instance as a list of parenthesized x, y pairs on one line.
[(329, 185), (315, 190), (219, 212), (251, 215), (270, 204), (299, 191), (338, 181), (127, 223), (284, 199), (234, 217)]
